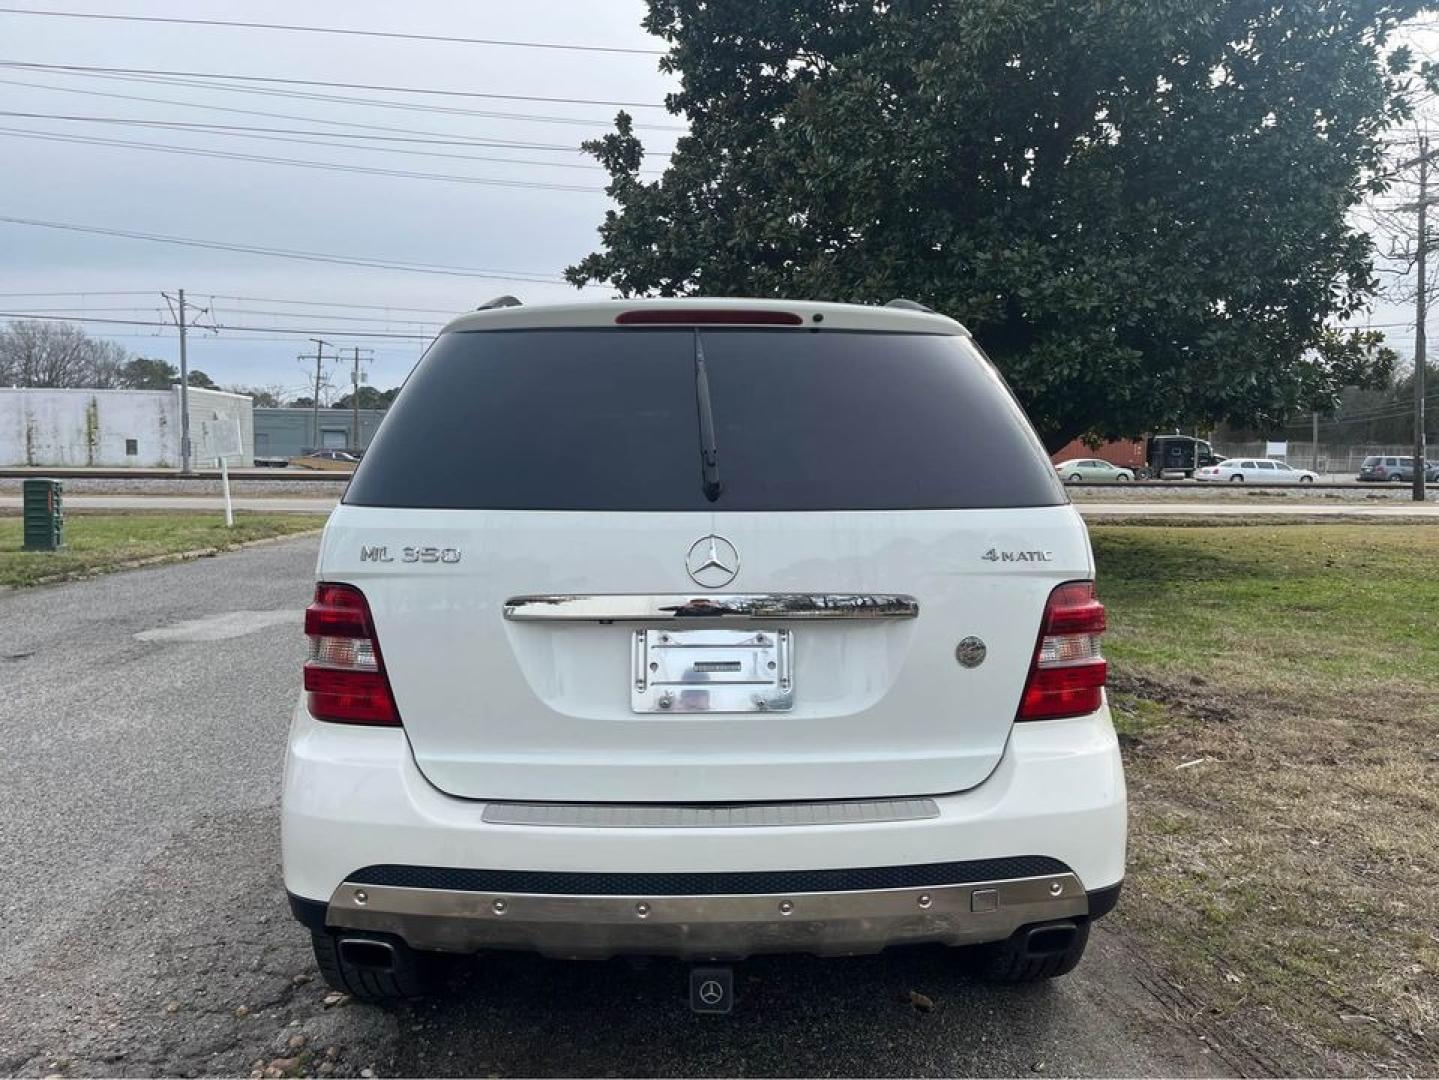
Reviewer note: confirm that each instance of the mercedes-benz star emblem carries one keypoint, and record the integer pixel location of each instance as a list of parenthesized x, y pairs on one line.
[(711, 992), (712, 562)]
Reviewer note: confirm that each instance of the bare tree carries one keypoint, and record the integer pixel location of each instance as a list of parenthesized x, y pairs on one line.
[(107, 365), (44, 354)]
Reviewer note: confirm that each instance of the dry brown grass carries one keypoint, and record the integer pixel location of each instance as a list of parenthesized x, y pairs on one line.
[(1289, 881)]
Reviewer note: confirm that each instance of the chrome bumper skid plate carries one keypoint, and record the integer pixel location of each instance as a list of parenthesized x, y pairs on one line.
[(706, 927)]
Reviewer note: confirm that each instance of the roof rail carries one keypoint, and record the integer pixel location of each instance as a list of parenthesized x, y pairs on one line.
[(909, 305), (499, 302)]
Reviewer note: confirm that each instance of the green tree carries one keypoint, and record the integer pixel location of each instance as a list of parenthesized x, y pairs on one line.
[(1138, 206), (370, 398), (200, 379), (144, 373), (265, 397)]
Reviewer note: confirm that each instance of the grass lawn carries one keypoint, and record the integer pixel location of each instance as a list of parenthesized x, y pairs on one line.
[(1277, 692), (96, 542)]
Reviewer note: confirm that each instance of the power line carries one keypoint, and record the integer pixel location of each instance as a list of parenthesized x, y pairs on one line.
[(298, 163), (320, 303), (92, 292), (484, 114), (301, 95), (306, 256), (448, 312), (133, 308), (317, 138), (215, 326), (345, 31), (187, 125), (91, 69), (337, 318)]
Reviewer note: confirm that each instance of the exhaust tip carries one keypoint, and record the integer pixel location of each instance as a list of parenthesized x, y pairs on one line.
[(1050, 939), (368, 953)]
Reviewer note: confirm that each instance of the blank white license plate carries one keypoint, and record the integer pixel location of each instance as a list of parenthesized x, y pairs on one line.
[(711, 671)]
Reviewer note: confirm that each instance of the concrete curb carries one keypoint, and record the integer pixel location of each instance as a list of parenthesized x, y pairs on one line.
[(157, 560)]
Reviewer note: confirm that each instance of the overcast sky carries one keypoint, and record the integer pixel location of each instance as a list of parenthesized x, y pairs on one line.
[(534, 231)]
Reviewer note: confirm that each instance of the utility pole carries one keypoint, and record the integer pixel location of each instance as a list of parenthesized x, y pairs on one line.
[(315, 402), (1314, 441), (1420, 311), (355, 401), (184, 392), (178, 309)]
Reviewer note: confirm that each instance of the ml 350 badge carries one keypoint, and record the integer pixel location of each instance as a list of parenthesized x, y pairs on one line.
[(411, 555)]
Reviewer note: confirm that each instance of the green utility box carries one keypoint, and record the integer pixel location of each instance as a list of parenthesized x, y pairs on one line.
[(44, 518)]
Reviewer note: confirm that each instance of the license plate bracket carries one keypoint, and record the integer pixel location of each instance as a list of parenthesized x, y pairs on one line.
[(712, 671)]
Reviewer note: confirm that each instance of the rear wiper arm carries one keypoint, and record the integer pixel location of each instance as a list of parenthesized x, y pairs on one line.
[(709, 451)]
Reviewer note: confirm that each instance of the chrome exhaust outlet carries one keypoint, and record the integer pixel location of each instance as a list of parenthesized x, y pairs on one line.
[(368, 953)]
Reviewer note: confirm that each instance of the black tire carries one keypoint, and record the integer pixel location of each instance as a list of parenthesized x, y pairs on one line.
[(1072, 478), (1121, 479), (1009, 962), (411, 977), (1306, 479), (1236, 479)]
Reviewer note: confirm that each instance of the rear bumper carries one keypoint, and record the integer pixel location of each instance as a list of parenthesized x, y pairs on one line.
[(368, 842), (701, 926)]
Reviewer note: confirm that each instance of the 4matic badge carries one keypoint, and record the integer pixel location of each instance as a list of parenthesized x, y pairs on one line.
[(994, 555)]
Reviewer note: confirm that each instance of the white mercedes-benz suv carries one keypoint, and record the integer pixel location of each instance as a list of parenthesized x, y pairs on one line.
[(702, 628)]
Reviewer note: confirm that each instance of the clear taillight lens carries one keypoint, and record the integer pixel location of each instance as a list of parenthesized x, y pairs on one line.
[(1068, 673), (345, 681)]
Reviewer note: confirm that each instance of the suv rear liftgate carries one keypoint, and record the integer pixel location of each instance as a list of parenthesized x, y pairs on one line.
[(684, 565)]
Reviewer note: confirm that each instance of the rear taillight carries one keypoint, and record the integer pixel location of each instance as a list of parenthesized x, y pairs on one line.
[(345, 679), (1067, 675)]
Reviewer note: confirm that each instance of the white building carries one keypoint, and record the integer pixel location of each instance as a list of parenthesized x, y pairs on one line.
[(112, 428)]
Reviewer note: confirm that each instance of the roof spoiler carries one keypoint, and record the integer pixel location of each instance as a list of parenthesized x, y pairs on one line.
[(499, 302), (910, 305)]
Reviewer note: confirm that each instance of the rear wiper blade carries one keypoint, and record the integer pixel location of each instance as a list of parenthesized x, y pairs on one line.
[(709, 451)]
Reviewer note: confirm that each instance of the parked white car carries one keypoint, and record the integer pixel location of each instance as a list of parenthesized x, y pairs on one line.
[(1256, 471), (710, 649)]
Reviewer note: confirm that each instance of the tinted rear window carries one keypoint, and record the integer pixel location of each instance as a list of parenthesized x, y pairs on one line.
[(608, 420)]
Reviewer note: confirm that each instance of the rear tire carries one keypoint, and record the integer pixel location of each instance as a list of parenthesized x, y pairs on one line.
[(1072, 478), (1011, 962), (413, 975), (1236, 479)]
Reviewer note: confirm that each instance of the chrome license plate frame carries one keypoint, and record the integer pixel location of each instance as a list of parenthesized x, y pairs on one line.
[(711, 671)]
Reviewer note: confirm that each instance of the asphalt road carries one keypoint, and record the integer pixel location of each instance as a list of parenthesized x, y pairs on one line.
[(143, 928)]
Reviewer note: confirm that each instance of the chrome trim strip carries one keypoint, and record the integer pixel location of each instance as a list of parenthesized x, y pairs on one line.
[(706, 926), (661, 816), (721, 606)]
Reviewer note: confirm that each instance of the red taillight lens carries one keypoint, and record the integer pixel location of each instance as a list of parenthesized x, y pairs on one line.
[(345, 679), (1068, 673), (707, 316)]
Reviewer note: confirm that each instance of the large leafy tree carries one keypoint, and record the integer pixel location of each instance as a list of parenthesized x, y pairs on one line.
[(1138, 206)]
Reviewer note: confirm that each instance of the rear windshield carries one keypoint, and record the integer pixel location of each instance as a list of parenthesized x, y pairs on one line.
[(609, 419)]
